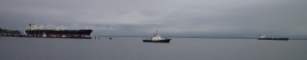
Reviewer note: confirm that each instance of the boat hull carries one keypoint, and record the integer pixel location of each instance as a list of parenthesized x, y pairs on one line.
[(273, 38), (157, 41)]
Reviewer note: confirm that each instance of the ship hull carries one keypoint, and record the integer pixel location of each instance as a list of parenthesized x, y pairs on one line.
[(157, 41), (83, 33), (273, 38)]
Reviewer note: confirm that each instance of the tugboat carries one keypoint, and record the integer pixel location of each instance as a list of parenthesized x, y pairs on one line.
[(264, 37), (157, 39)]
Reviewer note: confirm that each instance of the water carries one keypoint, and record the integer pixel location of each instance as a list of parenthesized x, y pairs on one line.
[(135, 49)]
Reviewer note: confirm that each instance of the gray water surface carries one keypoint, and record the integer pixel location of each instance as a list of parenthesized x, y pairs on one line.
[(134, 49)]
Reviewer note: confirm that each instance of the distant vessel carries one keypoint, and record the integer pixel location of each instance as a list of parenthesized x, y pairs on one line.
[(264, 37), (157, 38), (37, 31)]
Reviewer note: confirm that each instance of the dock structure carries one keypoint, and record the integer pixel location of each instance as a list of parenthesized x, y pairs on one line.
[(56, 32)]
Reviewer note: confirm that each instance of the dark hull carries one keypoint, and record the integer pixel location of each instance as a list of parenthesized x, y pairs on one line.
[(84, 33), (59, 37), (157, 41), (273, 38)]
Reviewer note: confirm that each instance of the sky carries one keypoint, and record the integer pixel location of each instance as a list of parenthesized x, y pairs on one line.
[(173, 17)]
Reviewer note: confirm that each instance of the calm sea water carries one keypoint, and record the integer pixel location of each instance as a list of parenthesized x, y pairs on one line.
[(134, 49)]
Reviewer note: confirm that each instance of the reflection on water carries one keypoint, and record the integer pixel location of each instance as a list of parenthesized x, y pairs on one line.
[(135, 49)]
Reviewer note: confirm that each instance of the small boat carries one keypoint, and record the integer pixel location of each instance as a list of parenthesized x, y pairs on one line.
[(264, 37), (158, 39)]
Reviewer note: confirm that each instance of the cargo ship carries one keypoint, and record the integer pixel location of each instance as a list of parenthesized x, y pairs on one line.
[(43, 32), (264, 37)]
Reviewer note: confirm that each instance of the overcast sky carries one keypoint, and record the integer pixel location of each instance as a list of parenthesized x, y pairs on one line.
[(169, 16)]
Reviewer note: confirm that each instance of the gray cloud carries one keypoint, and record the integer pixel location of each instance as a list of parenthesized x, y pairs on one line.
[(172, 16)]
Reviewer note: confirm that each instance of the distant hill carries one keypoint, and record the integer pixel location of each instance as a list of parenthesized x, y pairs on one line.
[(7, 32)]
